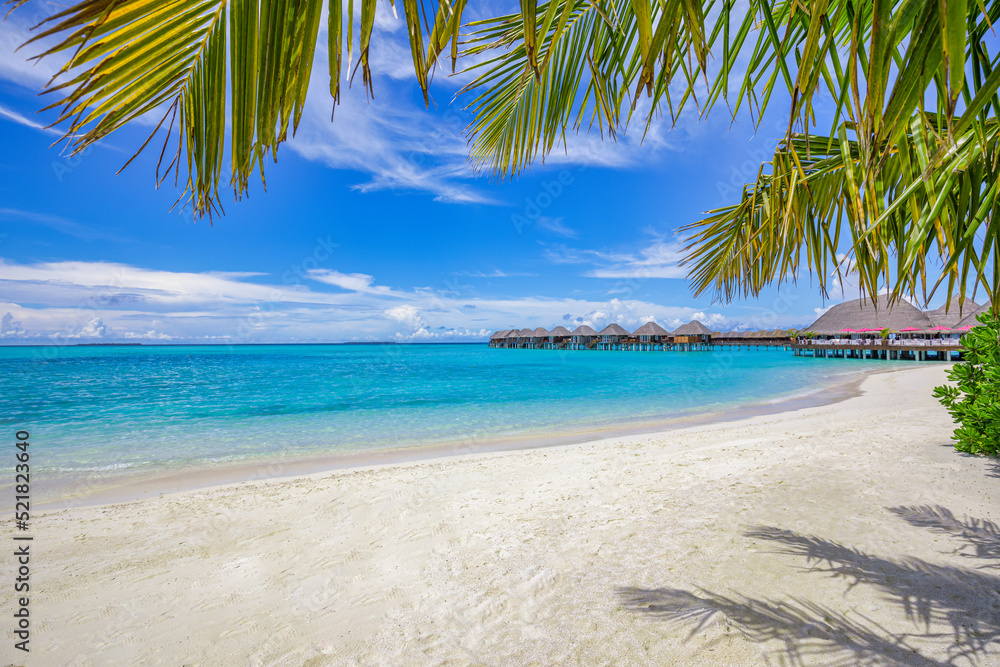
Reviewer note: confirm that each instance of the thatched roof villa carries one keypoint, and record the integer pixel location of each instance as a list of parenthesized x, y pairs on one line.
[(613, 329), (650, 336), (611, 337), (692, 328), (854, 328), (558, 337), (581, 338), (854, 316), (970, 319), (539, 335), (951, 313), (900, 330), (649, 331), (692, 336)]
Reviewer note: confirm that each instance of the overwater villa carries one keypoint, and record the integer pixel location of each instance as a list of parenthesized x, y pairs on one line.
[(856, 329), (582, 338), (558, 338), (853, 329), (611, 337), (651, 337), (693, 336)]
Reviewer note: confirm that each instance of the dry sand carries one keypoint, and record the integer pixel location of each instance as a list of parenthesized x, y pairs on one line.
[(842, 534)]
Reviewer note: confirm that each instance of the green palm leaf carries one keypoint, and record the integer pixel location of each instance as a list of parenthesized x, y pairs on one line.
[(129, 58)]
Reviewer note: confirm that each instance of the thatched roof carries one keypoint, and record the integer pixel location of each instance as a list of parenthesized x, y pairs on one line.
[(955, 312), (524, 333), (513, 333), (540, 331), (584, 330), (612, 330), (692, 328), (499, 334), (970, 319), (650, 329), (559, 331), (861, 314)]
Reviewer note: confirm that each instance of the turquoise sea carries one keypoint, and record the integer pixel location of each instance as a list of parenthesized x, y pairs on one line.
[(114, 412)]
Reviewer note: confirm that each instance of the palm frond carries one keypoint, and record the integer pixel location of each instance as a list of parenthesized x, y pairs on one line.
[(814, 212), (125, 59)]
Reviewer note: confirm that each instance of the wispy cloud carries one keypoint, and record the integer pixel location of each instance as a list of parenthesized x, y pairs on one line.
[(60, 224), (391, 140), (53, 301), (12, 115), (561, 254), (495, 273), (352, 282), (657, 259), (556, 226), (15, 65)]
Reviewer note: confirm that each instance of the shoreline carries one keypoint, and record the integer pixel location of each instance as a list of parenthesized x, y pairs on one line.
[(155, 483), (847, 533)]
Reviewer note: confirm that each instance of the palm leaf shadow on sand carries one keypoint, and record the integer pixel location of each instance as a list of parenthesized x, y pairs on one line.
[(966, 599), (807, 630), (982, 536)]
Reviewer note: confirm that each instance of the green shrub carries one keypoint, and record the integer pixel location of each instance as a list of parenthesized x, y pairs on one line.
[(975, 401)]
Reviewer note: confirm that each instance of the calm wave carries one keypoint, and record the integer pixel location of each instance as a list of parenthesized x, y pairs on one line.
[(114, 409)]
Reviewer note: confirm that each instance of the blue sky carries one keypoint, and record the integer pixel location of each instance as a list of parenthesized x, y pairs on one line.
[(373, 227)]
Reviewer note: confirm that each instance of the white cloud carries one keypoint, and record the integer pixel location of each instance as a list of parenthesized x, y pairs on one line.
[(93, 329), (391, 139), (14, 64), (495, 273), (632, 314), (714, 321), (354, 282), (819, 312), (10, 328), (12, 115), (108, 301), (658, 259), (409, 316), (556, 226)]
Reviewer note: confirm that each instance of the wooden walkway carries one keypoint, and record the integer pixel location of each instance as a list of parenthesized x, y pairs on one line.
[(911, 350)]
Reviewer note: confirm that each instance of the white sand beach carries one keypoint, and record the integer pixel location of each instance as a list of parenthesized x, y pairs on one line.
[(841, 534)]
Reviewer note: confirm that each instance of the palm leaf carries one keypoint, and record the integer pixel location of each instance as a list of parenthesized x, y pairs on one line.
[(125, 59)]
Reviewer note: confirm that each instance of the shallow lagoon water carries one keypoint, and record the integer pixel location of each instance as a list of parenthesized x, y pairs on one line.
[(146, 408)]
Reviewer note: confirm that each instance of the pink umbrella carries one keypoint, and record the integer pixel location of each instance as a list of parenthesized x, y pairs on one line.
[(848, 331), (867, 330), (910, 329), (940, 329), (965, 328)]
